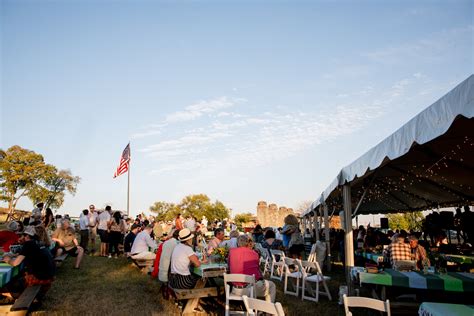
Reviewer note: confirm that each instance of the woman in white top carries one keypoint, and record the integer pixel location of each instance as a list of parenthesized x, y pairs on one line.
[(181, 259)]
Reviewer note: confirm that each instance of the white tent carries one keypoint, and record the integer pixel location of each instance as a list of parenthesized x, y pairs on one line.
[(428, 162)]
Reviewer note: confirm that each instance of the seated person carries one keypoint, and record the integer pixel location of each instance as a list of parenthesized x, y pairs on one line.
[(244, 260), (165, 258), (9, 236), (66, 242), (214, 243), (144, 246), (398, 249), (271, 242), (129, 239), (418, 253), (38, 262), (183, 255), (232, 242)]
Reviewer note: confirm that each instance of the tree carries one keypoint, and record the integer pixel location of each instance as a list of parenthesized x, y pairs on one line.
[(24, 173), (243, 218), (407, 221), (164, 211), (303, 206), (197, 205)]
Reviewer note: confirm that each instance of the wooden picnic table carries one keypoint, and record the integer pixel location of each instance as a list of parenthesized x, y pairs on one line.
[(205, 271), (377, 257), (443, 309)]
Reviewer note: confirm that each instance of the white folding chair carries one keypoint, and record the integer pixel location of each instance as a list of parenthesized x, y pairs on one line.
[(312, 254), (254, 306), (317, 278), (365, 302), (264, 258), (277, 264), (235, 292), (297, 275)]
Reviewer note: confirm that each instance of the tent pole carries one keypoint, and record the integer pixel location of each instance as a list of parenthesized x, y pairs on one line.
[(316, 224), (348, 238), (327, 236)]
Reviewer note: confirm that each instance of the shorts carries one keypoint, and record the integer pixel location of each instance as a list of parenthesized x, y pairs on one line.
[(72, 252), (103, 234), (92, 232)]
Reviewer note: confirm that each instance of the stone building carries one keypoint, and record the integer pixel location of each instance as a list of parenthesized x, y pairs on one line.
[(272, 215)]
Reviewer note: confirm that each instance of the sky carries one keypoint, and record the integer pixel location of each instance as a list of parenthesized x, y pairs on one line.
[(241, 100)]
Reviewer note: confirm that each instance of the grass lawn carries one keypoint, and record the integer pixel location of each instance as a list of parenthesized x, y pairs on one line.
[(115, 287)]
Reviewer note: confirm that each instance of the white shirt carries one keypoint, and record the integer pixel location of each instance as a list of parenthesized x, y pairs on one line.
[(83, 222), (103, 219), (165, 259), (231, 243), (190, 224), (180, 259), (142, 242)]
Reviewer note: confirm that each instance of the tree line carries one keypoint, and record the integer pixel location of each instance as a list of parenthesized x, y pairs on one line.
[(25, 174), (196, 205)]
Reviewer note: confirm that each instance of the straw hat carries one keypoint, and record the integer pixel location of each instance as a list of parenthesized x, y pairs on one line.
[(185, 234)]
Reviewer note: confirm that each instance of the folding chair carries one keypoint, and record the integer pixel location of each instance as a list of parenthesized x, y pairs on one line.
[(264, 258), (254, 306), (235, 292), (365, 302), (317, 277), (312, 254), (277, 264), (297, 275)]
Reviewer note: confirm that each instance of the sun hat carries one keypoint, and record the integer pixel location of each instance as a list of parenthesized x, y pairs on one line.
[(185, 234), (29, 230)]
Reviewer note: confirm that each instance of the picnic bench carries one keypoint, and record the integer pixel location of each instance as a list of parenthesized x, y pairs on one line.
[(60, 259), (22, 304), (200, 290), (143, 264)]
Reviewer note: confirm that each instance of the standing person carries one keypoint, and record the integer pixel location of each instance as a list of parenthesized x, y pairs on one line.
[(103, 219), (178, 222), (157, 230), (116, 227), (48, 219), (143, 244), (191, 224), (291, 229), (204, 221), (84, 229), (92, 227), (65, 238)]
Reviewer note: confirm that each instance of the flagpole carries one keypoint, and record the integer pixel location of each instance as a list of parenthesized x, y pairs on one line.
[(128, 186)]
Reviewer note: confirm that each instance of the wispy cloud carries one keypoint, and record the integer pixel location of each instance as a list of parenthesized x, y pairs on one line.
[(433, 48), (202, 107)]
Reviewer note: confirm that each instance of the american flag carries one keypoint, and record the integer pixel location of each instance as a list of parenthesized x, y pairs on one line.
[(124, 161)]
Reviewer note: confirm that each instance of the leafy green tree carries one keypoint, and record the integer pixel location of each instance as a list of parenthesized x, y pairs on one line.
[(164, 211), (407, 221), (23, 173), (243, 218), (197, 205)]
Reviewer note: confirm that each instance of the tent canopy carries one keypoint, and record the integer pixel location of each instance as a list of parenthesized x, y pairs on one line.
[(427, 163)]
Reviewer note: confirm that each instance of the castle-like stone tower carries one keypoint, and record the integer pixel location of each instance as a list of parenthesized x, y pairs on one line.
[(272, 215)]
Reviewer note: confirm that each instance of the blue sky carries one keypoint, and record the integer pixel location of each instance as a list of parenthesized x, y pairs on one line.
[(243, 101)]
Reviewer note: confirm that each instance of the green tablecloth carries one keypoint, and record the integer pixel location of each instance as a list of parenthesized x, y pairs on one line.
[(7, 272), (458, 258), (209, 266), (442, 309), (452, 281)]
